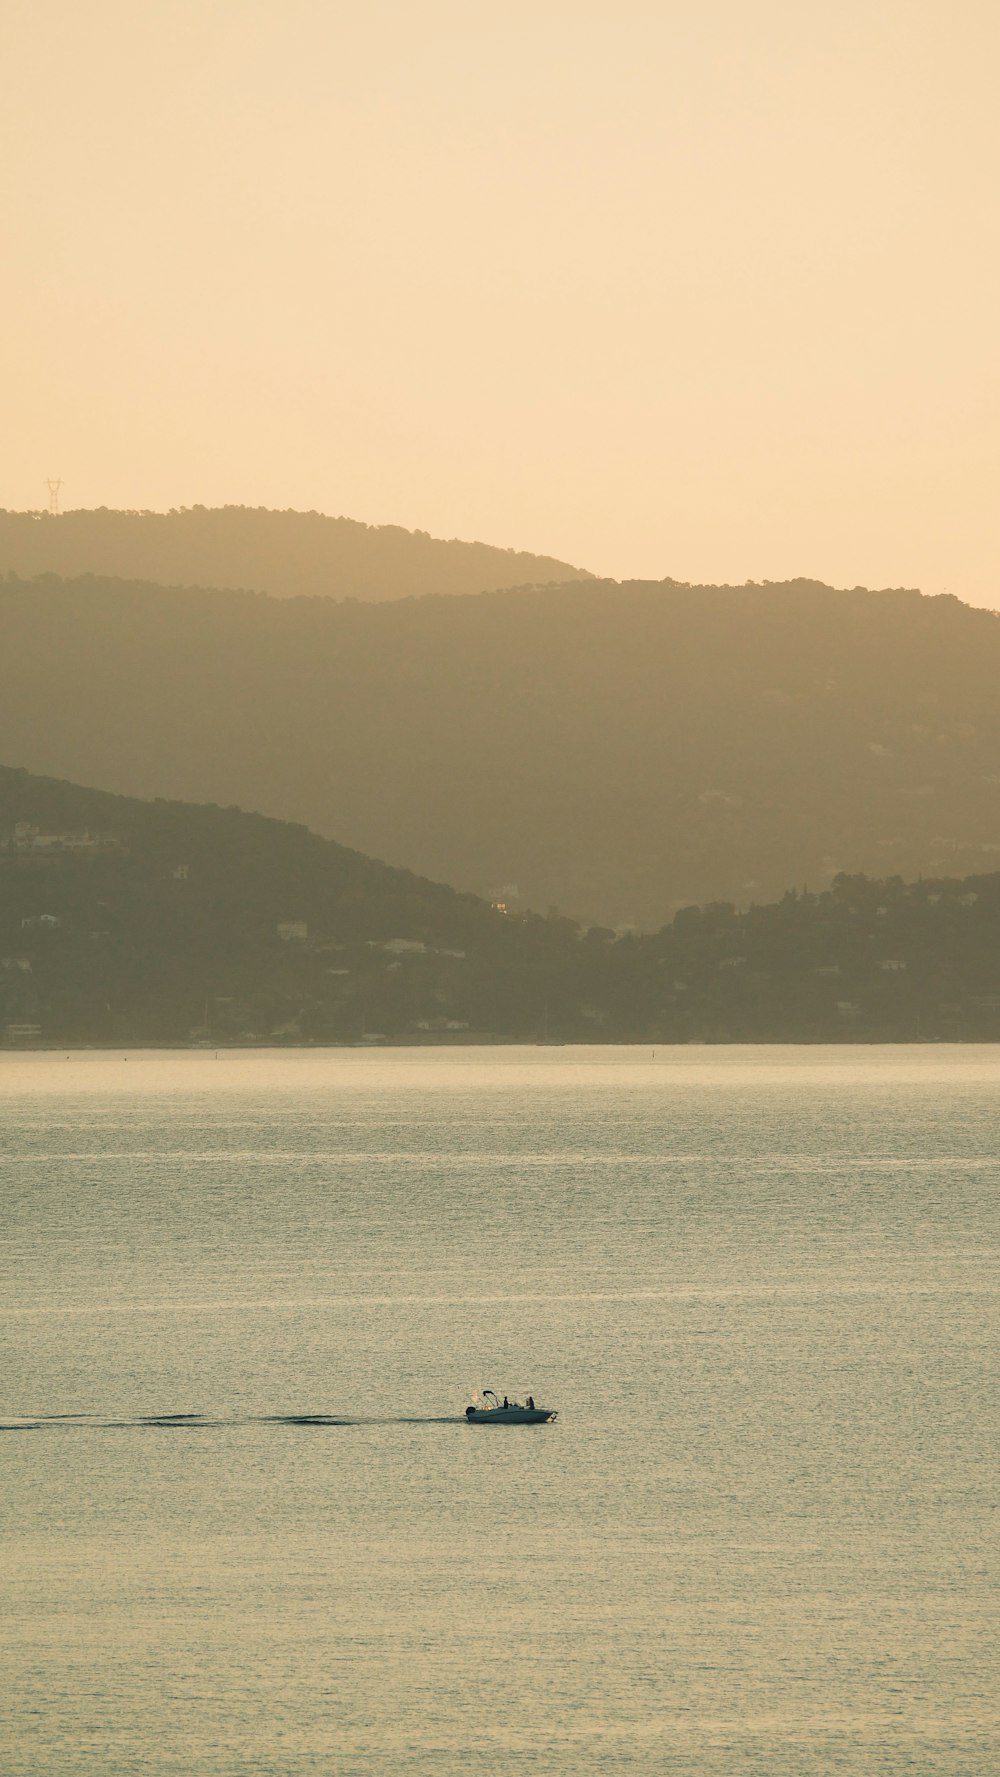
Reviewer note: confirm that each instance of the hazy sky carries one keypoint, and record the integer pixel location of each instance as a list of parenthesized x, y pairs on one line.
[(705, 288)]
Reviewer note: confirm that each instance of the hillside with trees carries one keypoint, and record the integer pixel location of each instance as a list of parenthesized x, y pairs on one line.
[(287, 554), (124, 921), (129, 920), (614, 751)]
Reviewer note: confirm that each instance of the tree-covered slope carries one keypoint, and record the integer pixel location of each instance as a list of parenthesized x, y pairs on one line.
[(149, 920), (617, 751), (287, 554), (123, 921)]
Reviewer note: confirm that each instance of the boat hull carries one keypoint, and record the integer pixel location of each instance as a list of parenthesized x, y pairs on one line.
[(509, 1416)]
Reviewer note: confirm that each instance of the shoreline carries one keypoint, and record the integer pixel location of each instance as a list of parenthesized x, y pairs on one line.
[(152, 1046)]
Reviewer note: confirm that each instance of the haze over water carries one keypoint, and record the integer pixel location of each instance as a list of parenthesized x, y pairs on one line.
[(759, 1286)]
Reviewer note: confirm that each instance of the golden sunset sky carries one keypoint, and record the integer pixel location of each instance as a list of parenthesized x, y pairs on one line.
[(701, 288)]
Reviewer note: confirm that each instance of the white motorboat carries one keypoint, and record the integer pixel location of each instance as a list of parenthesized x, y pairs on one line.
[(488, 1409)]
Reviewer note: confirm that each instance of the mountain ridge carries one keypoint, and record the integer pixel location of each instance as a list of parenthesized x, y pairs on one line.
[(286, 554), (615, 750)]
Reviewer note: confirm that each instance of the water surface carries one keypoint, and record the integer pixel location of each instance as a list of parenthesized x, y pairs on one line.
[(242, 1304)]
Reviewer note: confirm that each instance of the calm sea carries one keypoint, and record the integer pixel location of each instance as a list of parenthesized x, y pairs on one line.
[(244, 1527)]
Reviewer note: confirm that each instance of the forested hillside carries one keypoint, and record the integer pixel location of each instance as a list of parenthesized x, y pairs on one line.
[(123, 921), (284, 553), (615, 751), (166, 921)]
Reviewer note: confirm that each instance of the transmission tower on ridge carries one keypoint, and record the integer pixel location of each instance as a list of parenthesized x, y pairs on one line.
[(53, 487)]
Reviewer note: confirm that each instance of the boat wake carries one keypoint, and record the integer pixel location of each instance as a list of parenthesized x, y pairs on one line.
[(204, 1422)]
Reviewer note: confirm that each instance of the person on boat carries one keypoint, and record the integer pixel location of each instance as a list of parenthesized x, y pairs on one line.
[(506, 1401), (531, 1403)]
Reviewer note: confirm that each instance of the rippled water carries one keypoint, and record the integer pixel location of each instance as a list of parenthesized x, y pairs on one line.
[(244, 1527)]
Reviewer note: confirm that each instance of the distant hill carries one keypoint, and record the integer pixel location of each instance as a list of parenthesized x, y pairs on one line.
[(615, 751), (287, 554), (125, 921)]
